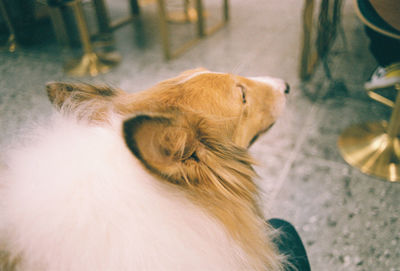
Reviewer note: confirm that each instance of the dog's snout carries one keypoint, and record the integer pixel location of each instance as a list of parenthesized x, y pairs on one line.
[(287, 88)]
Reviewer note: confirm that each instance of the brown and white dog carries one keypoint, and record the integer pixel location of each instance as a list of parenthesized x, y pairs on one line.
[(157, 180)]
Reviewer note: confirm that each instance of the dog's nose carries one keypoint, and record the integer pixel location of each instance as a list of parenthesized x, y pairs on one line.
[(287, 89)]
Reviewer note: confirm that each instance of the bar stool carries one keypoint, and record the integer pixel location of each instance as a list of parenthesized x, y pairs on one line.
[(374, 148)]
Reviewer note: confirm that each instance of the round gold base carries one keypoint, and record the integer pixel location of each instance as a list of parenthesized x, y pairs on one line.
[(92, 64), (369, 148)]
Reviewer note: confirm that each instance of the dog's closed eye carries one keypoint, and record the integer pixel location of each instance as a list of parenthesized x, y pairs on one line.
[(243, 91)]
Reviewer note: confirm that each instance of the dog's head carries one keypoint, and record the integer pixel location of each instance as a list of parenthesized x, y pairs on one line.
[(187, 121)]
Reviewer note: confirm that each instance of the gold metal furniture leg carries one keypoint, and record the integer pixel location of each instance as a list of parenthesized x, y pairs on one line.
[(200, 18), (226, 10), (164, 29), (306, 52), (374, 148), (11, 44), (90, 63), (214, 28), (168, 52), (201, 29), (188, 15)]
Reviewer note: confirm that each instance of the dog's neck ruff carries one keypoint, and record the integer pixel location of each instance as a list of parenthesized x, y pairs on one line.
[(79, 184)]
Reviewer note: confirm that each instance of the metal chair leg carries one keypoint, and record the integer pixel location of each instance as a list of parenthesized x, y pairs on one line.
[(200, 19), (201, 28), (162, 13), (226, 10), (374, 148), (188, 15), (11, 44), (90, 63)]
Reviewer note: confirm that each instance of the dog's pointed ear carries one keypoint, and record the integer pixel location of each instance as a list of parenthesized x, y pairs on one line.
[(75, 93), (184, 149), (164, 143)]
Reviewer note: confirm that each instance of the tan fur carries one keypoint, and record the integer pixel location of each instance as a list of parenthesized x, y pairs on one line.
[(193, 133)]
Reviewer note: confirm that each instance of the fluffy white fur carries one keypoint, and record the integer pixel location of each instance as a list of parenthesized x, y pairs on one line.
[(101, 210)]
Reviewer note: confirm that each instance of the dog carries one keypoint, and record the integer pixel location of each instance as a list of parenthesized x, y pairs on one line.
[(155, 180)]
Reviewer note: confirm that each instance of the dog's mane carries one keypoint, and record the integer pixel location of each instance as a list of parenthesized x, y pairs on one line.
[(228, 192), (215, 173)]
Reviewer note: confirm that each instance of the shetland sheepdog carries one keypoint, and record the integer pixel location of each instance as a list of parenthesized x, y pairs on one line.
[(154, 180)]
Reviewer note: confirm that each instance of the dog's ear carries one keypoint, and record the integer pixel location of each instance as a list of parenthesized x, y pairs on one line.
[(60, 93), (184, 149)]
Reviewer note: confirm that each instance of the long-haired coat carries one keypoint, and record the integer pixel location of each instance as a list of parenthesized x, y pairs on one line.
[(157, 180)]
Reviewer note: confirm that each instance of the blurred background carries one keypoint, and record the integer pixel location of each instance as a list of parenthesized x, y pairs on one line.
[(348, 220)]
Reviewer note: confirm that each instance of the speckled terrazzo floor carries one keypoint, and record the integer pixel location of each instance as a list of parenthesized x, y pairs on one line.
[(348, 221)]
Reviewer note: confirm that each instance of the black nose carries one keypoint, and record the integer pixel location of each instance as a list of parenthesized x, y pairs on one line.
[(287, 89)]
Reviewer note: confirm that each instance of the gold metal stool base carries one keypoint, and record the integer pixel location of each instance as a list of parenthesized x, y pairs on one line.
[(369, 148), (92, 64)]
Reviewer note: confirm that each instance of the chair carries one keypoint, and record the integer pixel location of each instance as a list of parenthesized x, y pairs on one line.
[(374, 147)]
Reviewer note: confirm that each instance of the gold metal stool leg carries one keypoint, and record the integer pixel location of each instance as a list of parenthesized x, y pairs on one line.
[(90, 63), (202, 31), (374, 148), (188, 15), (11, 44), (164, 29)]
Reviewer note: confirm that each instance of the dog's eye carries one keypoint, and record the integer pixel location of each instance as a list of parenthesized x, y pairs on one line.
[(243, 90)]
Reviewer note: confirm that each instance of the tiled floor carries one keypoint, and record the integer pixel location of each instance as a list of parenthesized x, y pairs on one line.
[(348, 221)]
